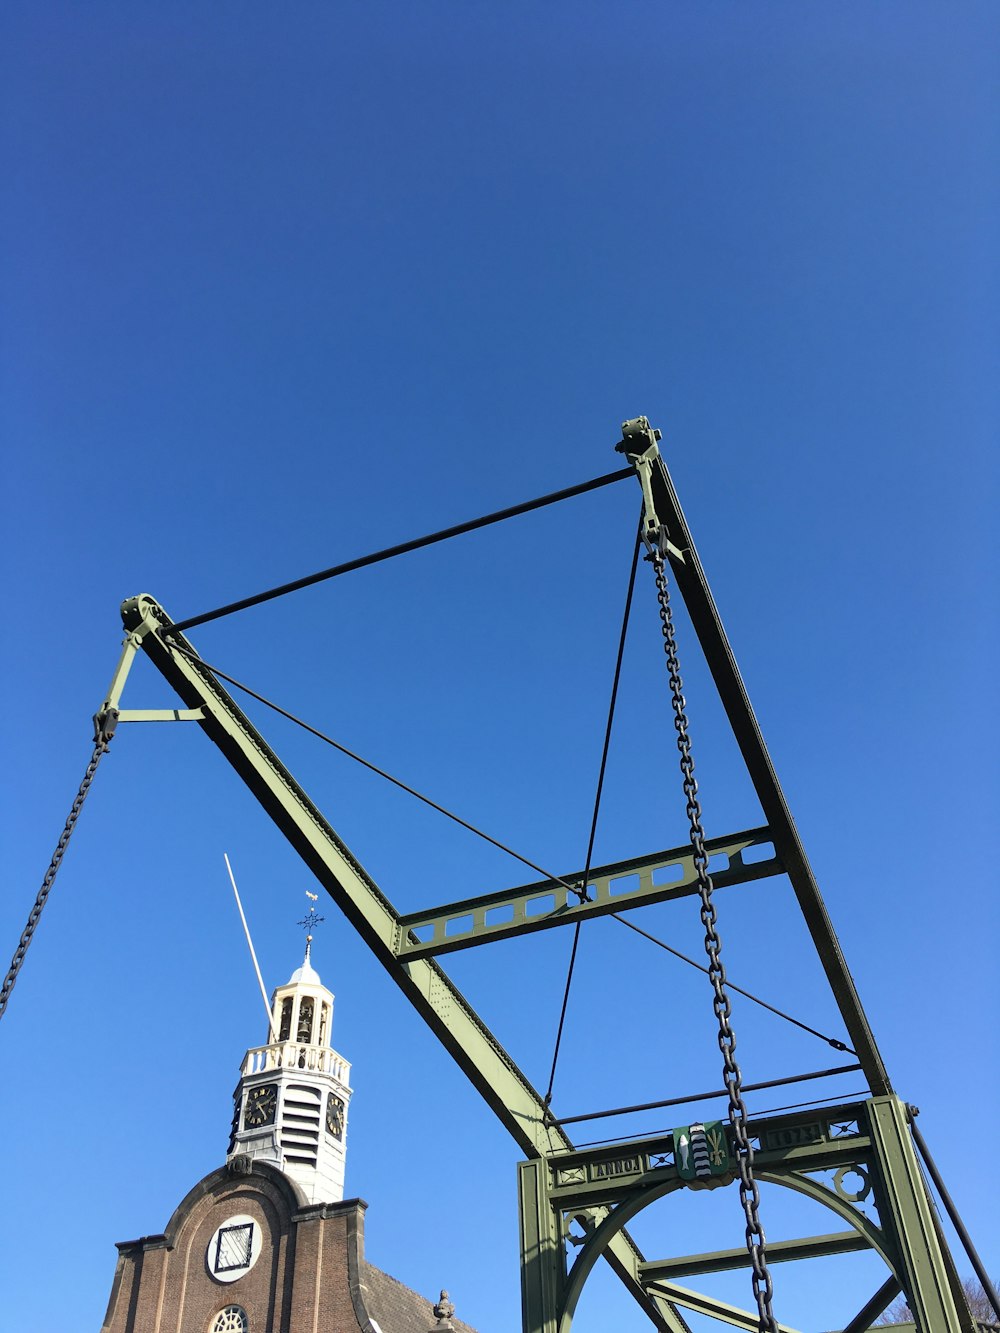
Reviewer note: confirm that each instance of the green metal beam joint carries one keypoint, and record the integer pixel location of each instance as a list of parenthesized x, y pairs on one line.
[(866, 1142), (585, 1178)]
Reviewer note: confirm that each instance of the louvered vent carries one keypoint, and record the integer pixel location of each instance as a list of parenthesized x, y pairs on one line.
[(300, 1124)]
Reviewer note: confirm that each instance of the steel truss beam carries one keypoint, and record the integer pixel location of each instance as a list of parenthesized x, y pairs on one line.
[(699, 1304), (907, 1237), (690, 578), (778, 1252), (613, 888), (458, 1027), (862, 1144), (871, 1310)]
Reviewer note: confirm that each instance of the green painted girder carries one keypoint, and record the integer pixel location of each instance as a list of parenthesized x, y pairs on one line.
[(928, 1272), (639, 881), (820, 1140), (690, 577), (866, 1147), (160, 715), (871, 1310), (584, 1178), (481, 1056), (605, 1186), (928, 1275), (721, 1310), (778, 1251), (476, 1050)]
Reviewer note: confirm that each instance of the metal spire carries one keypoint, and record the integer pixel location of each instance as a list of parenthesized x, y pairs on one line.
[(309, 923)]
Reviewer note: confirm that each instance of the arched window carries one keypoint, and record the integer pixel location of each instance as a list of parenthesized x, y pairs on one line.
[(286, 1019), (305, 1027), (233, 1319)]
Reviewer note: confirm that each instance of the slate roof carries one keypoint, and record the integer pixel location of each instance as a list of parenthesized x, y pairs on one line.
[(397, 1309)]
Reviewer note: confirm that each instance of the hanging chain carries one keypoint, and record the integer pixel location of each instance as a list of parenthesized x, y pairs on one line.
[(104, 727), (749, 1194)]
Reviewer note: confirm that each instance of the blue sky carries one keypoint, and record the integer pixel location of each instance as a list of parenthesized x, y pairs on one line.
[(286, 284)]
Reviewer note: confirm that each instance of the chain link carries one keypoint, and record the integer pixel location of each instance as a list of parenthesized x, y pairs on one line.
[(749, 1194), (104, 726)]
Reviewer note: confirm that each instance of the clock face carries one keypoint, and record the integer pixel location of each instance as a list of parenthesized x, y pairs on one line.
[(335, 1116), (260, 1106)]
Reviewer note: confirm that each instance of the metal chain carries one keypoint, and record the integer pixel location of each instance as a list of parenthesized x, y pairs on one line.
[(749, 1194), (104, 727)]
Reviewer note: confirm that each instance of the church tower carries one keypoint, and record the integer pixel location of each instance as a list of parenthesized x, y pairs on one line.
[(268, 1243), (292, 1097)]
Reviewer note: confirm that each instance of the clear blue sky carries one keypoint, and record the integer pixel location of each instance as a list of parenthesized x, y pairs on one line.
[(284, 284)]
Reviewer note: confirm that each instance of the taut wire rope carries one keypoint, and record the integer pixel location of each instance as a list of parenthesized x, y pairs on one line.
[(373, 768), (830, 1041), (597, 806), (471, 828), (416, 544)]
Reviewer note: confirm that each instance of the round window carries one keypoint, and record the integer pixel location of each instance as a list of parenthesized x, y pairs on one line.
[(234, 1249), (233, 1319)]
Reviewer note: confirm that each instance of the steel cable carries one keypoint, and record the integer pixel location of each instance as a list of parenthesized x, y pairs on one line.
[(597, 805), (479, 833), (416, 544)]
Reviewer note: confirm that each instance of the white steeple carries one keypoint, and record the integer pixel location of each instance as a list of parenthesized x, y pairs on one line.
[(292, 1097)]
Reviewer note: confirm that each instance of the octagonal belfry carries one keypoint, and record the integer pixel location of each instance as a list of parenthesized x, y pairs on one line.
[(292, 1098)]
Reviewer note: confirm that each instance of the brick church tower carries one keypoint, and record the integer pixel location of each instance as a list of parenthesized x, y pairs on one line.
[(267, 1243)]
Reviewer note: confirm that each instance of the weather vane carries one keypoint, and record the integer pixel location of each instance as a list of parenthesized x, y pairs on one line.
[(310, 921)]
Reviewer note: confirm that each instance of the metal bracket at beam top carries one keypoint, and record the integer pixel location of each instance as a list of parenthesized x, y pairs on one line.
[(640, 445), (523, 910)]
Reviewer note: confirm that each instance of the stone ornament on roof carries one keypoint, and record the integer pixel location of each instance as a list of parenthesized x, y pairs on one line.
[(443, 1312)]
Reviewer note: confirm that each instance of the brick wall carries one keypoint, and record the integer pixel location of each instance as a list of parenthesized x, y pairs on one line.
[(305, 1280)]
